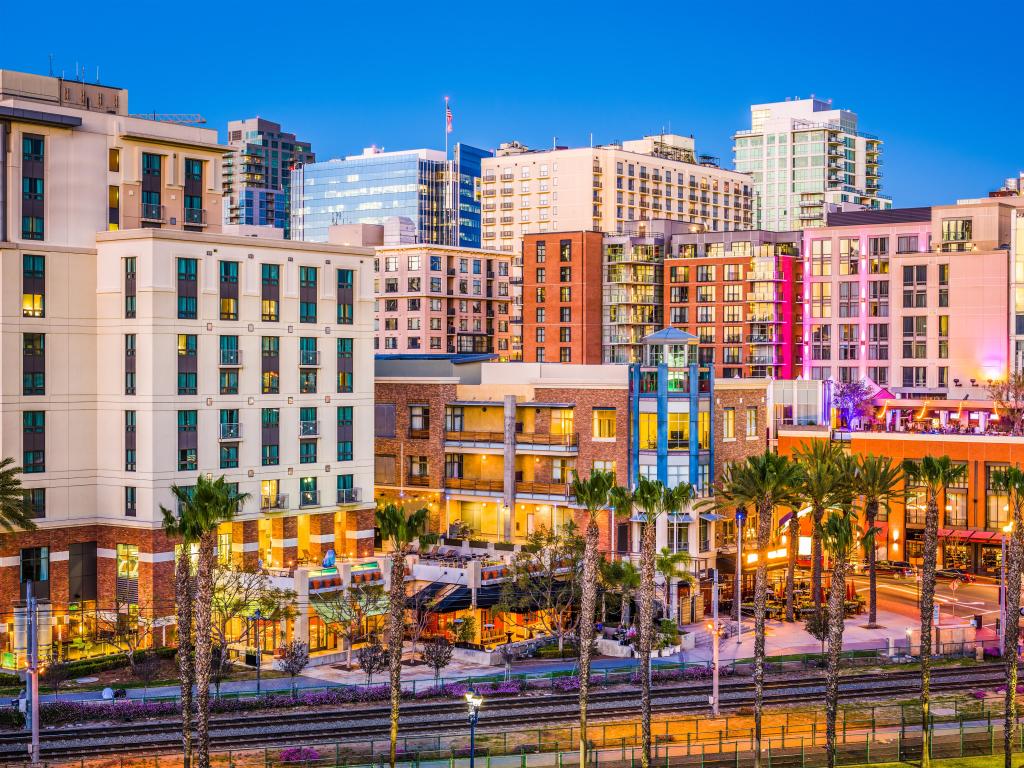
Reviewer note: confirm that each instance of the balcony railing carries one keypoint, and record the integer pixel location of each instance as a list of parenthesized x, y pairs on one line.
[(195, 217), (231, 358), (349, 495), (230, 431), (309, 498), (309, 429), (421, 481), (278, 501), (543, 489), (421, 433), (474, 484), (569, 440), (474, 437), (309, 358), (153, 212)]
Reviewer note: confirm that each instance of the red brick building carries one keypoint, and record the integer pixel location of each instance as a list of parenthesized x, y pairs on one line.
[(562, 279)]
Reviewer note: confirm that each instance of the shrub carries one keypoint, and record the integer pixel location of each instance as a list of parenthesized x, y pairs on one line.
[(11, 717), (566, 684), (298, 755)]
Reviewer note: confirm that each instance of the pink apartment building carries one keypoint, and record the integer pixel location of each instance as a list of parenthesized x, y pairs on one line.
[(916, 299), (443, 299)]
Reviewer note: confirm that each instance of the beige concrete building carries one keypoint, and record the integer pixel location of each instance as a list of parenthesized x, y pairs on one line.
[(604, 188)]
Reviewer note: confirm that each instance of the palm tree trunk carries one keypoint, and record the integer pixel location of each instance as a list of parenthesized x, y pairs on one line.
[(183, 588), (588, 606), (204, 644), (396, 632), (794, 542), (1011, 634), (930, 554), (645, 616), (870, 513), (836, 598), (816, 557), (764, 525)]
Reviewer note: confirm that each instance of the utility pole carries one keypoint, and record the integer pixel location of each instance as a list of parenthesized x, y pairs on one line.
[(714, 644), (737, 592), (33, 672)]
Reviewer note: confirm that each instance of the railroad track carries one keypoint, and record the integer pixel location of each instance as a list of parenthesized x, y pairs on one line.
[(424, 719)]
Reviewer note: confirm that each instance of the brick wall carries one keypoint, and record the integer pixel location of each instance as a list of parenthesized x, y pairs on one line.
[(728, 395), (402, 446)]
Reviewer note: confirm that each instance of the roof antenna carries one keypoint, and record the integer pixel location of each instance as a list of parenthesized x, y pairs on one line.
[(51, 64)]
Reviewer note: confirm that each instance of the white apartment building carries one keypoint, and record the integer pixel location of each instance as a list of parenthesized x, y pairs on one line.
[(140, 346), (604, 188), (805, 158)]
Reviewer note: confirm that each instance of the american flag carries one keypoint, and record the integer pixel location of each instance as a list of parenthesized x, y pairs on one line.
[(447, 115)]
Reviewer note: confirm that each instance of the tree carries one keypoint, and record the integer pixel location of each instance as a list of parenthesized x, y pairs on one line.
[(293, 659), (145, 671), (825, 482), (372, 657), (621, 578), (852, 399), (346, 611), (935, 475), (15, 513), (1008, 395), (592, 494), (126, 626), (878, 481), (838, 536), (202, 510), (221, 667), (55, 674), (181, 528), (437, 653), (761, 483), (1010, 481), (671, 566), (400, 529), (544, 578), (816, 625)]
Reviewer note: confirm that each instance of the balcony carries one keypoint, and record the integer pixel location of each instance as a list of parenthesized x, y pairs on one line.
[(419, 433), (349, 495), (419, 481), (567, 442), (309, 429), (231, 358), (309, 498), (309, 358), (272, 502), (474, 438), (195, 217), (230, 431), (153, 212), (474, 485), (545, 490)]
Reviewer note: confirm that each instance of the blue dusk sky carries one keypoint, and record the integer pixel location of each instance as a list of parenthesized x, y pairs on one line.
[(940, 82)]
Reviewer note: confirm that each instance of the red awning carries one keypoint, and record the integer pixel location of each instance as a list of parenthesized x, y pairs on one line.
[(963, 535)]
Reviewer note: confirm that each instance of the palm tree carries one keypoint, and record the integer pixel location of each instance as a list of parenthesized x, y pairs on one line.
[(14, 510), (210, 503), (400, 529), (622, 578), (762, 483), (592, 494), (839, 538), (878, 480), (935, 475), (822, 486), (671, 566), (1010, 481)]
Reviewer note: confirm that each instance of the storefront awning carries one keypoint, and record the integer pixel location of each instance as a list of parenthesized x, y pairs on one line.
[(963, 535), (711, 517)]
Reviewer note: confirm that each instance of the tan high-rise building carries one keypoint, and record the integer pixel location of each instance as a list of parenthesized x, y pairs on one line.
[(605, 188)]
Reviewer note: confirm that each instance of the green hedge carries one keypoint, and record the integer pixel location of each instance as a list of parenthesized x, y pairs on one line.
[(11, 717), (9, 680), (82, 667)]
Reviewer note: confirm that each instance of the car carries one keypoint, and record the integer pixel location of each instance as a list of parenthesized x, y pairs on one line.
[(956, 574), (898, 569)]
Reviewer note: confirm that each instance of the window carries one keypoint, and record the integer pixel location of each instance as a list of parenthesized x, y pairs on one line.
[(915, 332), (345, 298), (906, 244), (956, 230), (849, 256), (604, 423), (229, 290), (821, 300), (915, 376), (33, 281), (129, 287), (229, 456), (127, 561), (35, 500), (878, 298), (33, 364), (751, 421), (271, 454), (307, 294), (915, 286), (35, 564), (565, 250), (943, 285), (997, 511), (821, 258), (307, 452), (34, 441), (344, 450), (848, 342), (271, 278), (187, 302), (878, 342), (130, 498), (729, 423), (565, 294), (565, 354)]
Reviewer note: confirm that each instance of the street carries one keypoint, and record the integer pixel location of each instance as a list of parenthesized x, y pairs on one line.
[(967, 600)]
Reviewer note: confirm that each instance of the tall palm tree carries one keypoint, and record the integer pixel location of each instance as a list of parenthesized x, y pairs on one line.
[(592, 494), (839, 538), (210, 503), (671, 566), (761, 483), (878, 480), (14, 510), (1010, 481), (400, 529), (822, 487), (935, 475), (648, 497)]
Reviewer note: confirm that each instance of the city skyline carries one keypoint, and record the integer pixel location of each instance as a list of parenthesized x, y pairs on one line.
[(933, 155)]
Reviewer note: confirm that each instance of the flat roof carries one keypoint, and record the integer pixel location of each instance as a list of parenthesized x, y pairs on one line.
[(890, 216)]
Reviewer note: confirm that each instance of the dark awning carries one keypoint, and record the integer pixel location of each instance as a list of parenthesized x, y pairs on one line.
[(459, 598)]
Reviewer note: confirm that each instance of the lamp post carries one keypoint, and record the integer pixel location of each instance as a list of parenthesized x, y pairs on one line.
[(737, 592), (256, 616), (715, 632), (1002, 588), (474, 703)]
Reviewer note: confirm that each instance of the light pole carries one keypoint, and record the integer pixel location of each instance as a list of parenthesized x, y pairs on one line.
[(715, 631), (474, 703), (737, 591), (1002, 588), (256, 616), (33, 671)]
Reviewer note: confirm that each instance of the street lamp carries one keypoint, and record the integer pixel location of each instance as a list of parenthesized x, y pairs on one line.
[(1007, 529), (474, 703), (737, 591), (256, 616)]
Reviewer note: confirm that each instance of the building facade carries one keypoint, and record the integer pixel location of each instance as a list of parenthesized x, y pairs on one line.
[(442, 299), (604, 188), (258, 173), (419, 195), (806, 157), (915, 299)]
